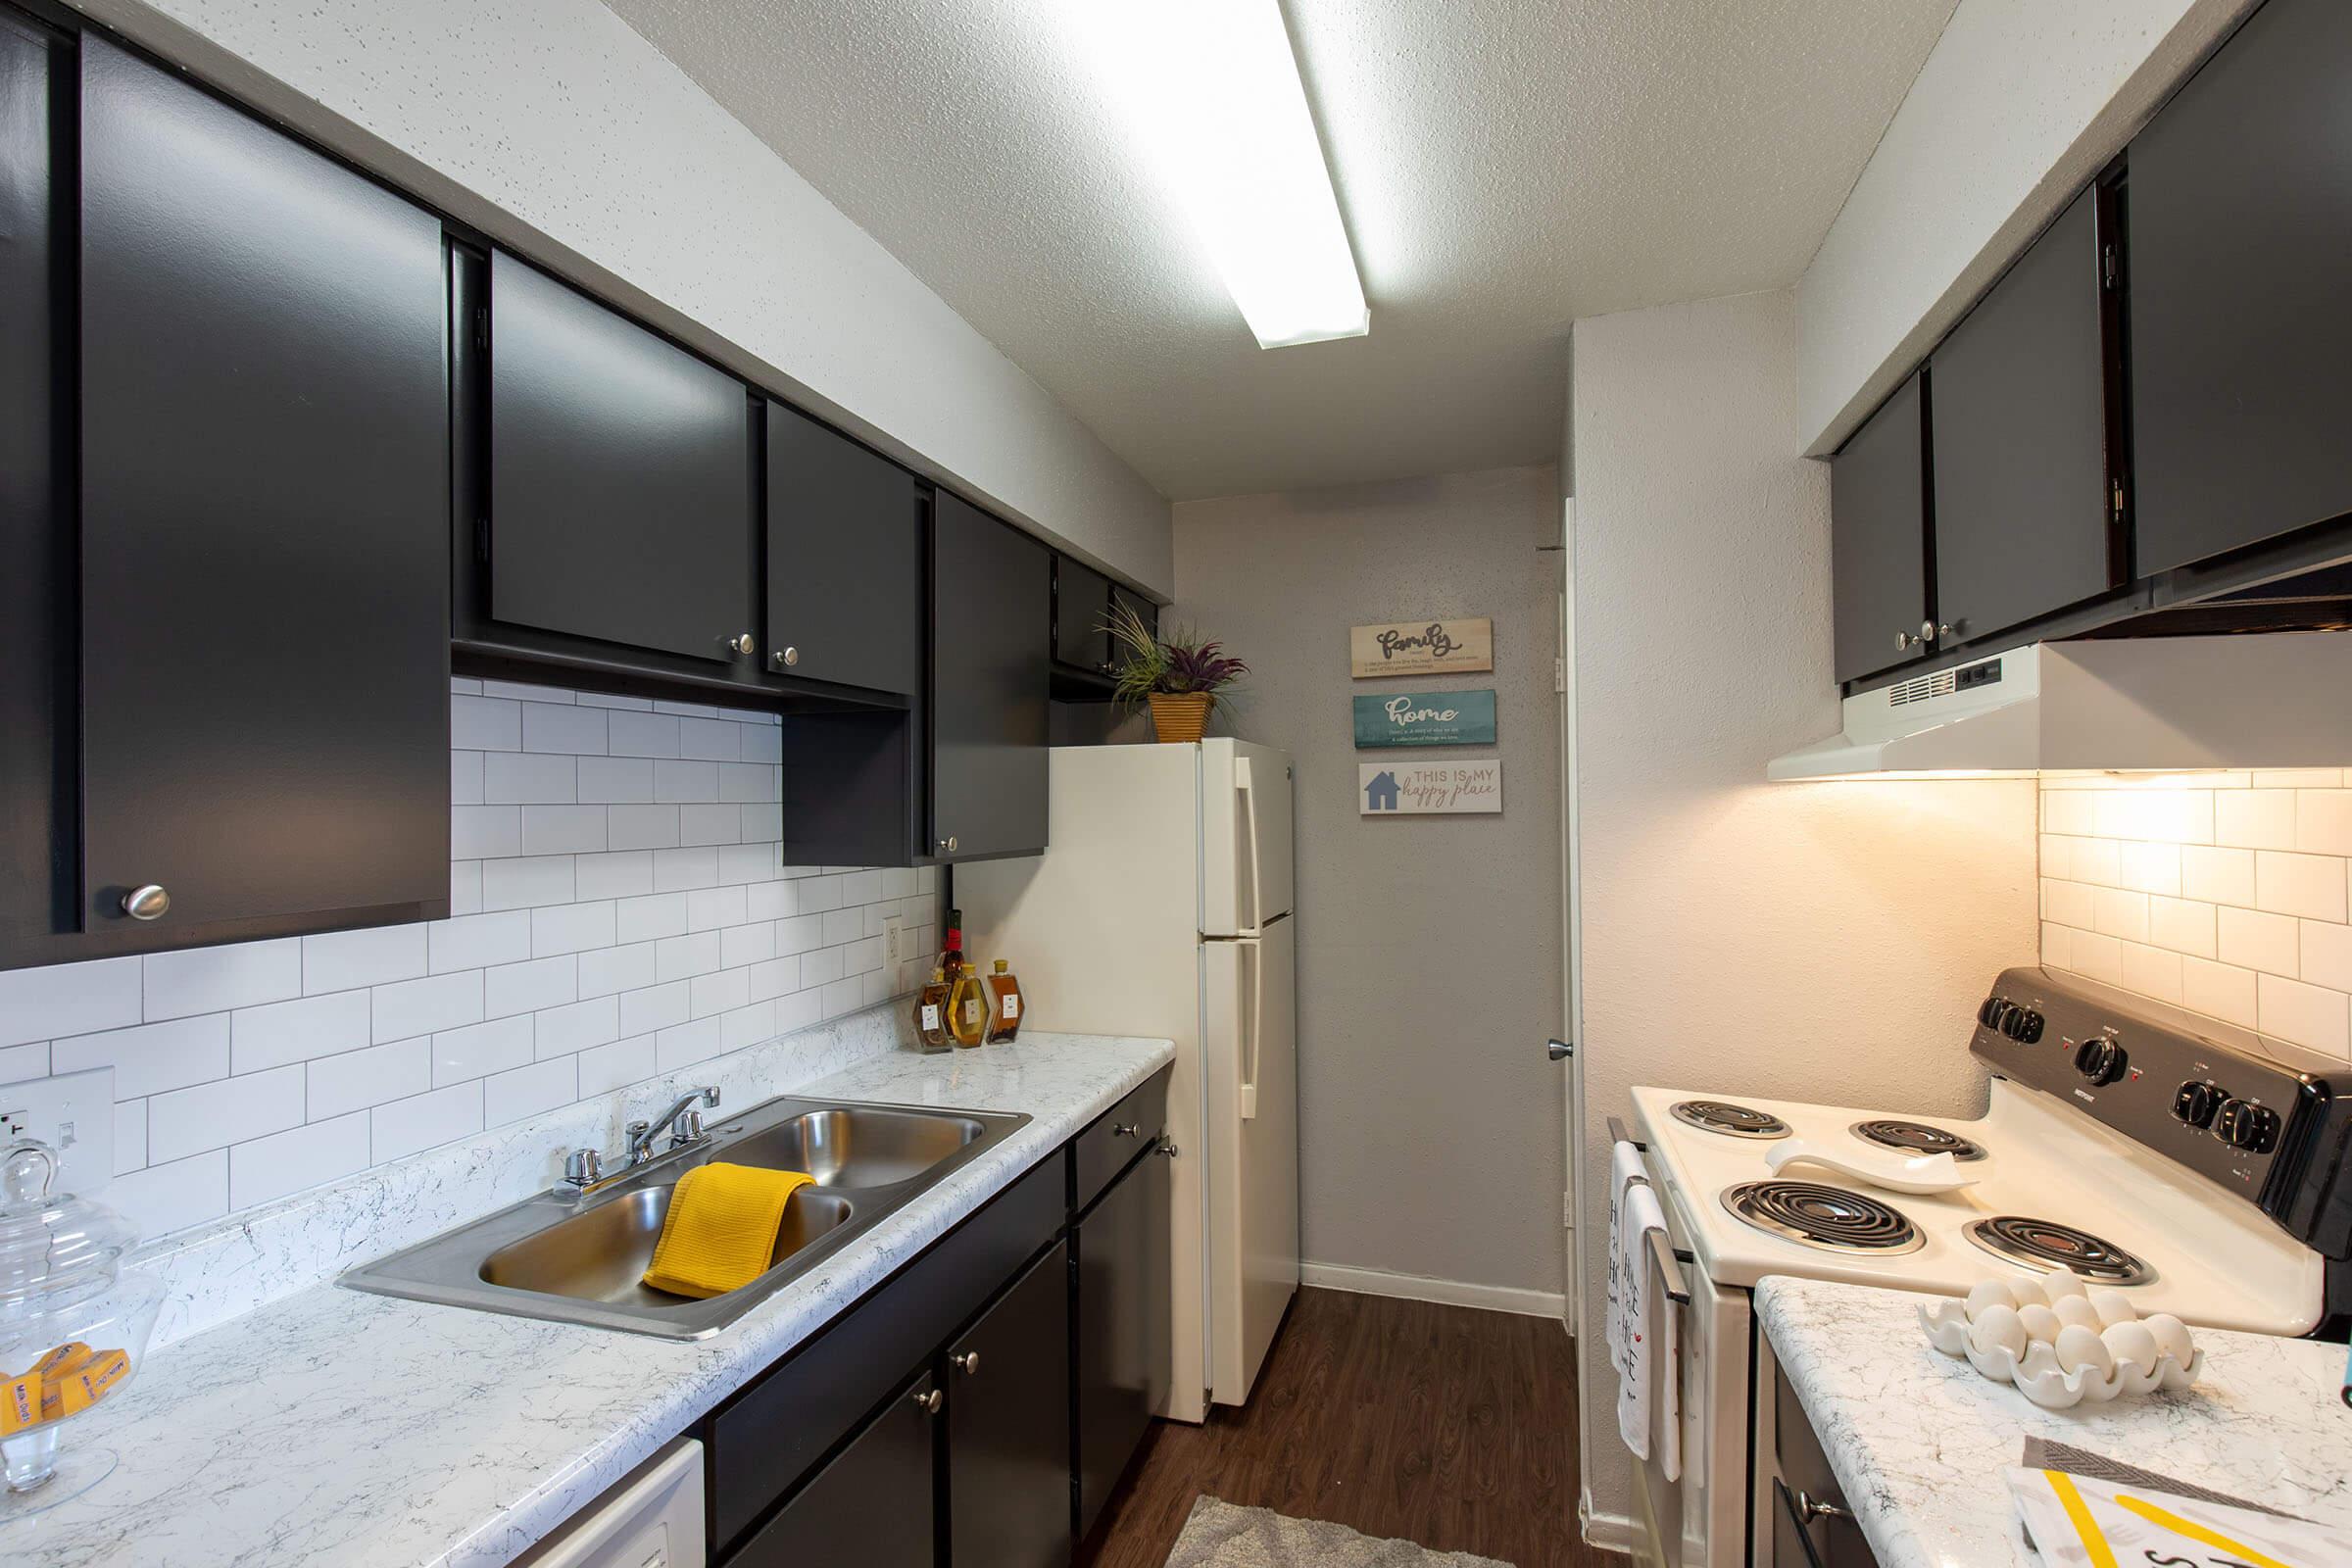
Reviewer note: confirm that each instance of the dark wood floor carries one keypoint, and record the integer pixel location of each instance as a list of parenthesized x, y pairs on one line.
[(1444, 1426)]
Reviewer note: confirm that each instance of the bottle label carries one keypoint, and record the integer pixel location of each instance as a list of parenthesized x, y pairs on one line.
[(1013, 1007), (972, 1010), (930, 1018)]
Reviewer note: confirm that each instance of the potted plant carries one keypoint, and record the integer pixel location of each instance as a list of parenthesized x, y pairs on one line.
[(1179, 676)]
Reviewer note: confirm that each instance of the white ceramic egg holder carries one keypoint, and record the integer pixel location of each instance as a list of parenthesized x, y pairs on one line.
[(1952, 1327)]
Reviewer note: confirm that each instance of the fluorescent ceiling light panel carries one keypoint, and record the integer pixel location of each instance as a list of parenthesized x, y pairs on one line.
[(1216, 93)]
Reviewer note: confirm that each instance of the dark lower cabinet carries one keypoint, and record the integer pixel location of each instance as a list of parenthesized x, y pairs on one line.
[(264, 608), (621, 486), (873, 1502), (1121, 1326), (2240, 196), (1812, 1525), (990, 590), (845, 559), (1007, 1382), (2027, 473), (1878, 539)]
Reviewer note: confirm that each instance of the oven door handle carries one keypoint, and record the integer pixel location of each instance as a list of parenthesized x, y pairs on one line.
[(1670, 1272)]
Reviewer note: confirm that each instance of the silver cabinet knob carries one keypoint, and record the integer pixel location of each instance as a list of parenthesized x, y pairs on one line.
[(1124, 1129), (1903, 641), (788, 656), (948, 844), (148, 903), (1808, 1508), (1558, 1049), (968, 1363), (1924, 636), (743, 642), (583, 1167), (929, 1403)]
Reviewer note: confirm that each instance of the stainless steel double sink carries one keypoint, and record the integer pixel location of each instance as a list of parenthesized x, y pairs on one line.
[(581, 1259)]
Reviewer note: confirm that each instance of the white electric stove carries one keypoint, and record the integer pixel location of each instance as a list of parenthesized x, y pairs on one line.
[(2144, 1147)]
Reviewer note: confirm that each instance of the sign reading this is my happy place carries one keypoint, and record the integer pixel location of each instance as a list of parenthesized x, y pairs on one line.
[(1421, 648), (1431, 789), (1426, 719)]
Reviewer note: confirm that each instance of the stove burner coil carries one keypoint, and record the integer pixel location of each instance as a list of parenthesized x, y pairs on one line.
[(1831, 1218), (1917, 1137), (1715, 1116), (2047, 1245)]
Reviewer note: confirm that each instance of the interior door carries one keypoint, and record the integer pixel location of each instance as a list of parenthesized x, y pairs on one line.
[(1251, 1060)]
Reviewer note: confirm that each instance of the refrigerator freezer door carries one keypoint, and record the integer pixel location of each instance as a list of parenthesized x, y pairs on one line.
[(1245, 837), (1251, 1066)]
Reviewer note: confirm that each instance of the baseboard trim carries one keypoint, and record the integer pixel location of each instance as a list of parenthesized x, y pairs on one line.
[(1608, 1531), (1445, 1293)]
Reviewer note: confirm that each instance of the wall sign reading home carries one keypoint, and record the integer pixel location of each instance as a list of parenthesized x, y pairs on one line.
[(1430, 788), (1421, 648), (1426, 719)]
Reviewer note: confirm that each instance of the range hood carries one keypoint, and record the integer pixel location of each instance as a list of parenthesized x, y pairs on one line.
[(2120, 705)]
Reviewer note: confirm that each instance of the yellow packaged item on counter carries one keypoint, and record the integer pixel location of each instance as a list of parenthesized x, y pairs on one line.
[(20, 1403)]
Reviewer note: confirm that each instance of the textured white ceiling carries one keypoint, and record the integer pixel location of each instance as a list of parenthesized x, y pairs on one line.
[(1504, 167)]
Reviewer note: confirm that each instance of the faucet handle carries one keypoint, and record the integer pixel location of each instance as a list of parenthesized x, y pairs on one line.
[(687, 1130), (583, 1167)]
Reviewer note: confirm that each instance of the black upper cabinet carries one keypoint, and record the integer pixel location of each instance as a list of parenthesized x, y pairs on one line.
[(2241, 263), (620, 477), (845, 559), (1008, 1383), (1081, 605), (2025, 516), (1878, 539), (1146, 611), (991, 592), (264, 451)]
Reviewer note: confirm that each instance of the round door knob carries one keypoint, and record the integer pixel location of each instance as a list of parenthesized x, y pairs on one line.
[(968, 1363), (929, 1403), (742, 642), (788, 656), (148, 903)]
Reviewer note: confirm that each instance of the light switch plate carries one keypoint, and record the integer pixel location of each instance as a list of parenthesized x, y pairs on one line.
[(73, 1113)]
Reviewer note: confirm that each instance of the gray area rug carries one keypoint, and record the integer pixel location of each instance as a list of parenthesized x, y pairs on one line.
[(1218, 1535)]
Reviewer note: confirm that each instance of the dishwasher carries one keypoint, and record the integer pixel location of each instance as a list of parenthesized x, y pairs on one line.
[(651, 1520)]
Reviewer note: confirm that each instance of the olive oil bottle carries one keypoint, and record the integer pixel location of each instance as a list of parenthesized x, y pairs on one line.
[(1003, 1004), (931, 1013)]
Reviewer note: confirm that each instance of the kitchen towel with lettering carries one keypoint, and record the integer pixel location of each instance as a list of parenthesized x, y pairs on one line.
[(1644, 1357)]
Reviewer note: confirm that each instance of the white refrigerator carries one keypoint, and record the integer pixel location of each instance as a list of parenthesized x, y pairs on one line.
[(1162, 908)]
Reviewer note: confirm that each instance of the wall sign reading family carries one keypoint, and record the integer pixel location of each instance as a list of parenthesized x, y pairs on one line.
[(1432, 789), (1421, 648), (1426, 719)]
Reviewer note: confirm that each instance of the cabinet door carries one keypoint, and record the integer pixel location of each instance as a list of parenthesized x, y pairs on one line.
[(1878, 539), (991, 592), (872, 1503), (1145, 609), (621, 476), (2023, 521), (845, 559), (1081, 602), (265, 467), (1009, 1426), (1124, 1325), (2240, 214)]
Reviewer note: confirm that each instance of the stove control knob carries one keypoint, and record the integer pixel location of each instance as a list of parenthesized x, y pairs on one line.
[(2197, 1100), (2030, 1030), (2242, 1124), (2100, 1059), (1989, 1015)]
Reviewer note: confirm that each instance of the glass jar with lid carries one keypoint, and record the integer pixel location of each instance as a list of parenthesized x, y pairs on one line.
[(74, 1328)]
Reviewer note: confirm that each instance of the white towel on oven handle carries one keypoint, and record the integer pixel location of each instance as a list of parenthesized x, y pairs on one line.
[(1646, 1359), (1624, 1169)]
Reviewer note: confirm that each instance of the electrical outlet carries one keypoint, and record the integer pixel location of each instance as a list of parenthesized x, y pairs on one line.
[(894, 943), (73, 1113)]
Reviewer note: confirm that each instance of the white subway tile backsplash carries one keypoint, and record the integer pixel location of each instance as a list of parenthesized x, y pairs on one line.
[(2247, 883), (240, 974), (152, 1057), (224, 1111), (613, 916), (515, 988), (357, 1079), (68, 1000)]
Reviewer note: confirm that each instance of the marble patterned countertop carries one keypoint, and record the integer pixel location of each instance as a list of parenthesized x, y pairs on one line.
[(1920, 1441), (337, 1427)]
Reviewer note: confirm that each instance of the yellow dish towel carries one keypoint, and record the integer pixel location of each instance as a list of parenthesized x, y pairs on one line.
[(721, 1232)]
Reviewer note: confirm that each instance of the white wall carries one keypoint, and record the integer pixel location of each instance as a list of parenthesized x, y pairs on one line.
[(554, 129), (2019, 104), (1429, 947), (618, 912), (1822, 942)]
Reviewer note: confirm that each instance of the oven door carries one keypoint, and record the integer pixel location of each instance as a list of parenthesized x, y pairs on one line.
[(1699, 1519)]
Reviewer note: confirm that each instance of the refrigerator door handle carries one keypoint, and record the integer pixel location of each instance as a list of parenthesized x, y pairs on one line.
[(1249, 954), (1248, 922)]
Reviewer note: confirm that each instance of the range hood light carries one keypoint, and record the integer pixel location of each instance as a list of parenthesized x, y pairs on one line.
[(1216, 91)]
